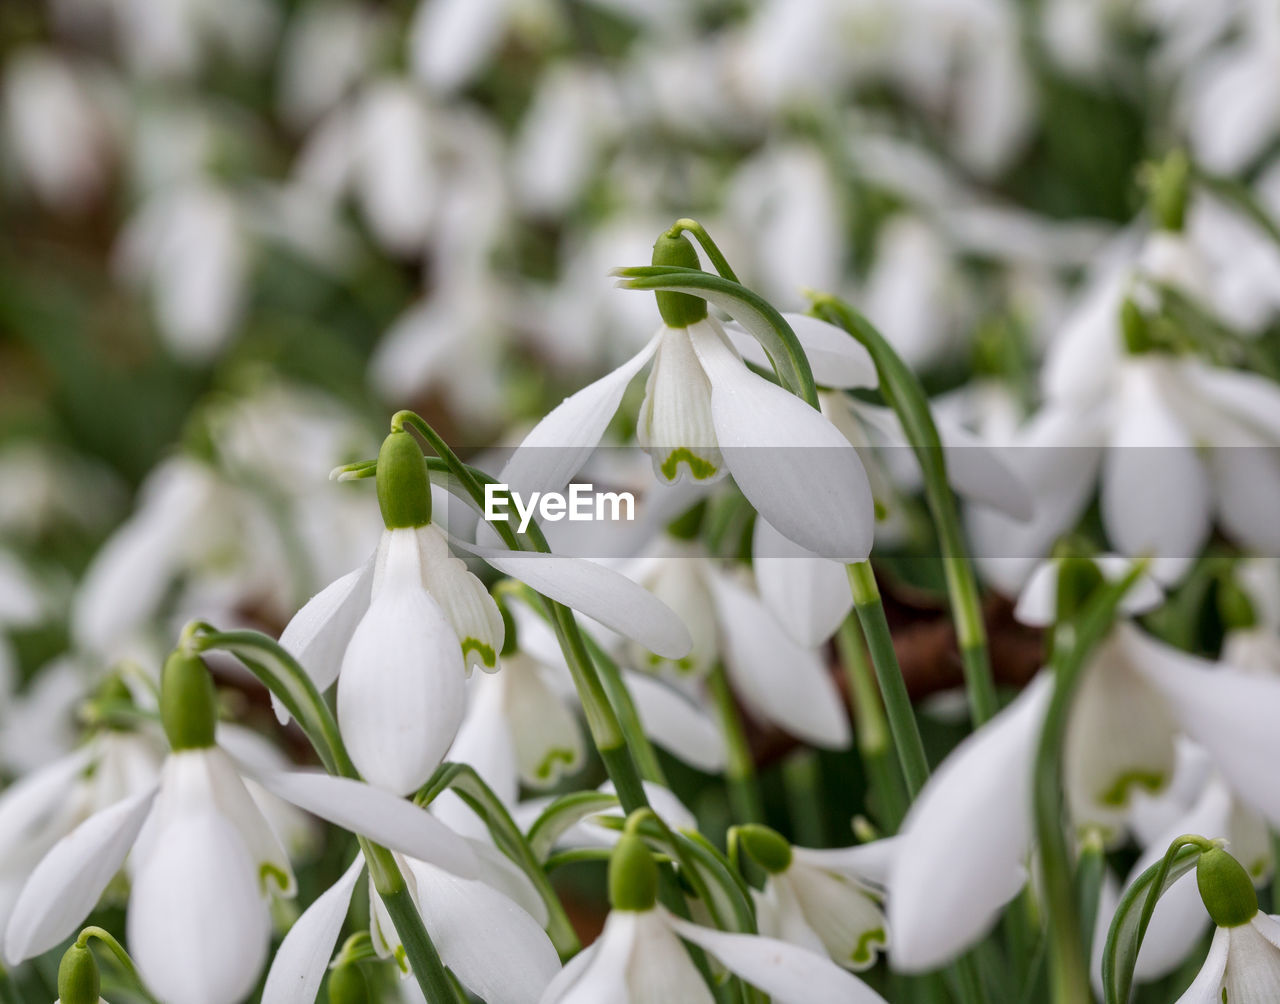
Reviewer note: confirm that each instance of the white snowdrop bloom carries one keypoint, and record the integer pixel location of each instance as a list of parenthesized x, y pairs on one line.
[(187, 246), (46, 487), (824, 900), (471, 899), (777, 679), (381, 145), (574, 114), (38, 722), (787, 199), (1244, 957), (451, 41), (399, 634), (58, 135), (963, 848), (1228, 102), (52, 800), (706, 414), (327, 48), (639, 956)]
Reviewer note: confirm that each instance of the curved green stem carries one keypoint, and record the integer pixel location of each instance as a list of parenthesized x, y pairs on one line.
[(713, 251), (897, 702), (117, 949)]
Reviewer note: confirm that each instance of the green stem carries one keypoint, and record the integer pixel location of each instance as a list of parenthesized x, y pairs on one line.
[(708, 245), (872, 729), (117, 949), (428, 969), (1090, 870), (897, 702), (628, 718), (740, 774)]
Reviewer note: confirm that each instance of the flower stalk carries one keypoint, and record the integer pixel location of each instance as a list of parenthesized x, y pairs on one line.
[(740, 771)]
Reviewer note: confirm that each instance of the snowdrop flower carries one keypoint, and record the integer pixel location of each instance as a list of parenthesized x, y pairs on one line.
[(187, 246), (704, 415), (450, 41), (400, 634), (1244, 958), (327, 49), (824, 900), (57, 134), (482, 914), (777, 679), (639, 955)]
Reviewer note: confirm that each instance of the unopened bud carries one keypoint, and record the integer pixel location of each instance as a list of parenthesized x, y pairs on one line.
[(678, 310), (188, 703), (78, 981), (767, 847), (1226, 889), (348, 985), (633, 875), (404, 491)]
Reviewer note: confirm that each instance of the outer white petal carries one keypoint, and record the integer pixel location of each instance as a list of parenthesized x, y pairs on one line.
[(867, 863), (401, 692), (318, 634), (836, 358), (1230, 712), (964, 843), (778, 680), (198, 927), (599, 973), (497, 950), (981, 473), (1038, 601), (236, 804), (371, 812), (30, 803), (450, 39), (68, 881), (808, 594), (596, 591), (463, 599), (501, 873), (557, 447), (792, 464), (1155, 491), (1253, 962), (676, 724), (1206, 987), (301, 960), (660, 968), (787, 973), (1249, 397)]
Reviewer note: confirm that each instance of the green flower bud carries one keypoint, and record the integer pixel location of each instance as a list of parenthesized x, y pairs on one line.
[(1133, 325), (1078, 578), (1226, 889), (188, 703), (1169, 190), (404, 491), (767, 847), (347, 985), (1234, 606), (78, 981), (678, 310), (633, 875)]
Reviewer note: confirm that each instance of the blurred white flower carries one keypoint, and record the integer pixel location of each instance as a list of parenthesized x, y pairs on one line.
[(327, 49)]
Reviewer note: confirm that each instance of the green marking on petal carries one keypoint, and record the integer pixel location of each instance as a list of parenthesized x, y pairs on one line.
[(1118, 794), (486, 653), (269, 874), (402, 958), (864, 951), (546, 768), (700, 468)]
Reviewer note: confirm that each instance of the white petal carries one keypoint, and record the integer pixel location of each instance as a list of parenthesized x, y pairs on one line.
[(792, 464), (301, 960), (31, 803), (401, 692), (1206, 987), (450, 39), (676, 724), (661, 969), (778, 680), (600, 972), (787, 973), (68, 881), (371, 812), (233, 800), (198, 927), (1253, 963), (1038, 601), (809, 595), (318, 634), (842, 913), (1155, 491), (1230, 712), (674, 425), (499, 872), (467, 919), (463, 598), (965, 840), (836, 358), (596, 591), (548, 740), (868, 862), (557, 447), (676, 579), (1251, 398), (980, 472)]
